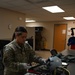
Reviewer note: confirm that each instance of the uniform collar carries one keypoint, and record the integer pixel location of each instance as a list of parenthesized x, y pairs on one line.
[(16, 44)]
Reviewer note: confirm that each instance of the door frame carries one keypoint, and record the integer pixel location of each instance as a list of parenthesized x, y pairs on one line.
[(65, 35)]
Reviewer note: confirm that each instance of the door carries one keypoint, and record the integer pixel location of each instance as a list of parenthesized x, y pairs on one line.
[(59, 37)]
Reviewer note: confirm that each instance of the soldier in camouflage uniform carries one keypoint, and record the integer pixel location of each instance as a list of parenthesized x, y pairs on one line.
[(18, 54)]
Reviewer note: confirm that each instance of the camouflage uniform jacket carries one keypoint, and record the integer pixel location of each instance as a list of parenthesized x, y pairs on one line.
[(14, 56)]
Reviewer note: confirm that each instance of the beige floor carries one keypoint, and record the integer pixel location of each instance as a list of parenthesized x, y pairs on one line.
[(44, 54)]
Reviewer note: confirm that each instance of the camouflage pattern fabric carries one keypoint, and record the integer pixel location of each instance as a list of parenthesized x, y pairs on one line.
[(14, 56)]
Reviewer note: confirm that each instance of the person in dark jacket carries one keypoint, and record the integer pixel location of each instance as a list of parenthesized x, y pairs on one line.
[(71, 41), (18, 55)]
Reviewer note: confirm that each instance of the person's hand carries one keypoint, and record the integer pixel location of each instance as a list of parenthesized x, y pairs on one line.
[(43, 61), (26, 66)]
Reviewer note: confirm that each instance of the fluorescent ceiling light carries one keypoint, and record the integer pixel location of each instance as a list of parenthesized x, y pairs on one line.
[(53, 9), (30, 21), (69, 18)]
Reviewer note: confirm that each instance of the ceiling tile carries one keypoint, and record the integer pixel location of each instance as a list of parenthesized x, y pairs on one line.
[(63, 2), (34, 10)]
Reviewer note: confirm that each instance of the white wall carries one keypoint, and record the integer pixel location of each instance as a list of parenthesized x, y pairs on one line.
[(8, 17), (16, 19), (48, 32), (31, 32)]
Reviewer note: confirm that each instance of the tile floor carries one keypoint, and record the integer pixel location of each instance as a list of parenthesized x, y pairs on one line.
[(44, 54)]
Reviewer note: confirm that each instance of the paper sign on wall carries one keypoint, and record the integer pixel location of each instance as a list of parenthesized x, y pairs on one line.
[(63, 31)]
